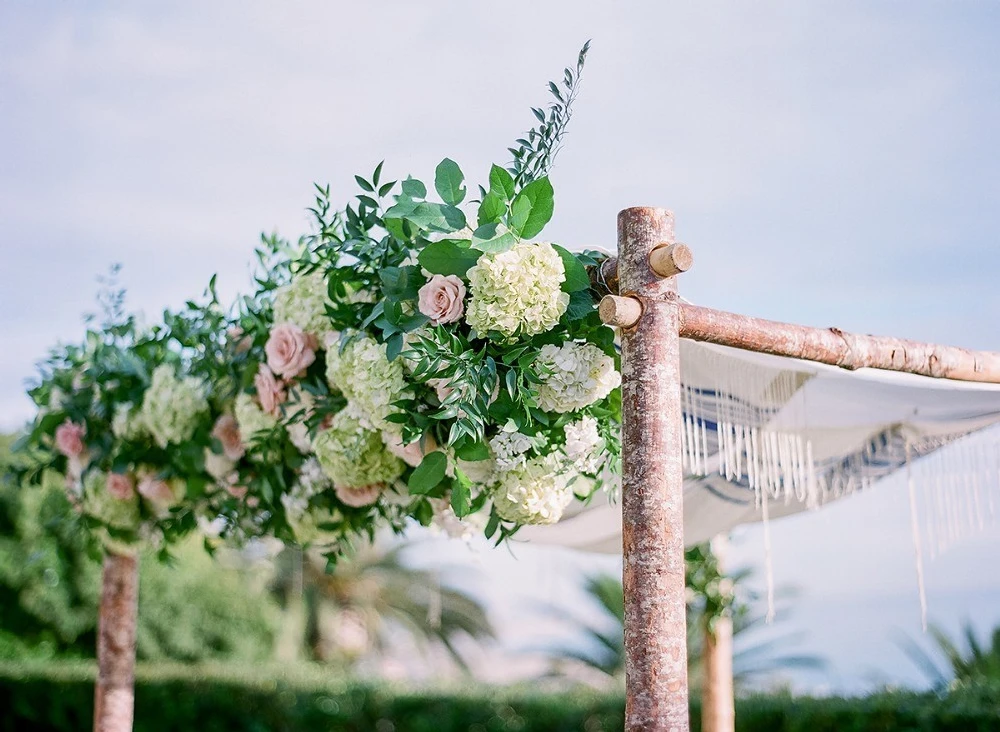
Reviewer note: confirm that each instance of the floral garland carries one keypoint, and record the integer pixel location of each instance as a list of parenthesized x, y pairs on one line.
[(410, 359)]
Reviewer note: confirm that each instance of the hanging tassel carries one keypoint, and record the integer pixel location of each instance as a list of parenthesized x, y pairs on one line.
[(768, 566), (915, 530)]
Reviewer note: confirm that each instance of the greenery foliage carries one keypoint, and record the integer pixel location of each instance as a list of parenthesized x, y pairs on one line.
[(57, 699)]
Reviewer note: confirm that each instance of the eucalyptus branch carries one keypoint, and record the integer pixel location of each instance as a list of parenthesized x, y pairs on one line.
[(535, 154)]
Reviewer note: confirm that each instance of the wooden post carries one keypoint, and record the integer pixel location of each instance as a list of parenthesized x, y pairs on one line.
[(652, 483), (718, 710), (114, 695)]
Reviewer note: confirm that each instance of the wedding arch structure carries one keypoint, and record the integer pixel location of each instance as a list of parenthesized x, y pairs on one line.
[(658, 437)]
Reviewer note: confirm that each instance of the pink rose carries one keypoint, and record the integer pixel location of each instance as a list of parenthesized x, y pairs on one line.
[(413, 453), (227, 432), (241, 343), (441, 299), (290, 351), (358, 496), (69, 439), (156, 491), (270, 392), (237, 491), (121, 486)]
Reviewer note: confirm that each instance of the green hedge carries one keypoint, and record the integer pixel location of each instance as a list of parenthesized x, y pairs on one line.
[(209, 699)]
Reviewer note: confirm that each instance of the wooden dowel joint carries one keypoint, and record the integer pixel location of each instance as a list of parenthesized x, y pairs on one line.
[(668, 259), (620, 312)]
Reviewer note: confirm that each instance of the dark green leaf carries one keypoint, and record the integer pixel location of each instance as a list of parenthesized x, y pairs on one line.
[(461, 493), (581, 304), (394, 346), (365, 185), (576, 274), (532, 208), (414, 188), (448, 180), (501, 183), (429, 473), (492, 209), (446, 257)]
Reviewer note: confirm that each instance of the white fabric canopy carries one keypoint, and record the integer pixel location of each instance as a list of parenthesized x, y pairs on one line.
[(778, 435)]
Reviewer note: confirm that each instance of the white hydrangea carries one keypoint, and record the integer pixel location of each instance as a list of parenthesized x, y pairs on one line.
[(172, 406), (446, 522), (537, 493), (303, 302), (584, 445), (251, 418), (510, 450), (581, 374), (352, 456), (517, 291), (311, 482), (126, 423), (369, 381)]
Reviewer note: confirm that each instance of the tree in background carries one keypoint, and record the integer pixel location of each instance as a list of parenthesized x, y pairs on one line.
[(709, 595), (979, 663), (370, 604)]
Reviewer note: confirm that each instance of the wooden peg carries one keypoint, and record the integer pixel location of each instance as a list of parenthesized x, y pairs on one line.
[(668, 260), (621, 312)]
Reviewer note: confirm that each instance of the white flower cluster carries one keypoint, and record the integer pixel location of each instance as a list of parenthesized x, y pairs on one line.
[(126, 424), (311, 481), (369, 381), (303, 302), (517, 291), (352, 456), (172, 406), (584, 445), (536, 493), (251, 418), (510, 450), (581, 374), (446, 522)]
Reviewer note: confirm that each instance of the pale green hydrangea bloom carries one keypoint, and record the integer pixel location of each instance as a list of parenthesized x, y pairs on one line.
[(581, 374), (369, 381), (251, 418), (536, 493), (303, 302), (517, 291), (584, 446), (172, 406), (352, 456), (100, 504)]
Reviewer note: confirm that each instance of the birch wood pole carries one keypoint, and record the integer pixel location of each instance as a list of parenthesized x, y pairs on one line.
[(718, 706), (652, 483), (114, 695), (824, 345)]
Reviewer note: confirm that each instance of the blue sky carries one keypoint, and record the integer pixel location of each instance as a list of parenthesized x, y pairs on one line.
[(832, 163)]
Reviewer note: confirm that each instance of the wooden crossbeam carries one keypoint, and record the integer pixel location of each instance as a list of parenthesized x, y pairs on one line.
[(823, 345)]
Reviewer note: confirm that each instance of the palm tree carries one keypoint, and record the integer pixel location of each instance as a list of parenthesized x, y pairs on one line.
[(979, 663), (371, 604), (603, 650)]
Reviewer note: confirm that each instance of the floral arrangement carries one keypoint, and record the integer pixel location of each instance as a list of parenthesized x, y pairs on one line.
[(135, 419), (417, 356)]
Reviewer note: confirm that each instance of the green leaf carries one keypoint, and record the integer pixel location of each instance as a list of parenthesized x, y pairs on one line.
[(473, 452), (414, 188), (532, 208), (429, 473), (448, 180), (394, 346), (401, 283), (365, 185), (501, 183), (492, 209), (576, 274), (448, 258), (581, 304), (485, 239), (461, 493)]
